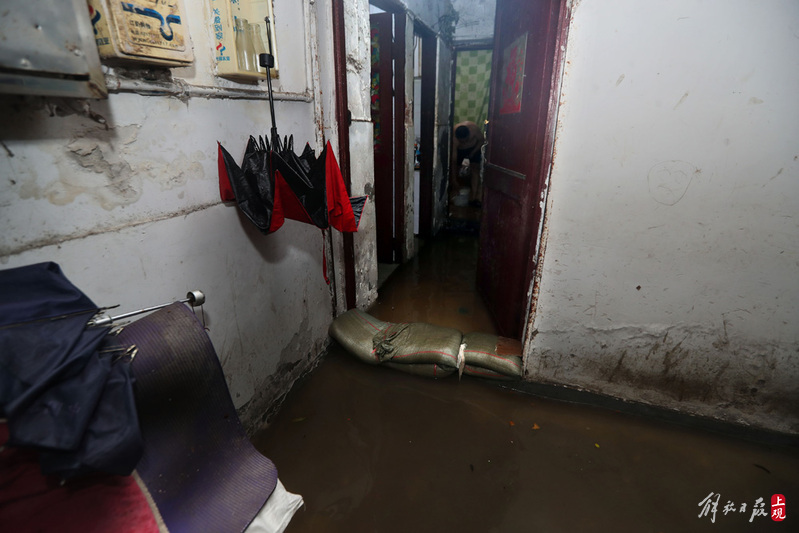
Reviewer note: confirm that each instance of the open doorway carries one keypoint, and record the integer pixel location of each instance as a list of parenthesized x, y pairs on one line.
[(403, 95), (528, 58), (387, 109), (524, 65), (471, 82)]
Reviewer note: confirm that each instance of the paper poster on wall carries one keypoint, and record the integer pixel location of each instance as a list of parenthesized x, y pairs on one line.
[(513, 76)]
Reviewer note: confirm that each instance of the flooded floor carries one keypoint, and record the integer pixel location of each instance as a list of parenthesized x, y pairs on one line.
[(371, 449)]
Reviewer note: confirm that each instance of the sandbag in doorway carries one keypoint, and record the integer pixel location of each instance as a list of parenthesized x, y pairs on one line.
[(416, 348), (426, 349), (490, 356)]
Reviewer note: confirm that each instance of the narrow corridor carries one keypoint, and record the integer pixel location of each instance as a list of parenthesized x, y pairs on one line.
[(373, 449)]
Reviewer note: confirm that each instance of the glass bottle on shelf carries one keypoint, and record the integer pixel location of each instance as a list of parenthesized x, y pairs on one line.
[(244, 46), (258, 44)]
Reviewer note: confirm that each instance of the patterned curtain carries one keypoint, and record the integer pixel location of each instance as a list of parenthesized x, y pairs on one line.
[(472, 78)]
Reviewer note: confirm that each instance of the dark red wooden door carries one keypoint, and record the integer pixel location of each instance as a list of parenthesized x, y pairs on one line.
[(527, 40), (382, 102)]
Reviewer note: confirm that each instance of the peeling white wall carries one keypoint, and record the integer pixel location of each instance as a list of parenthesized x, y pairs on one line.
[(671, 272), (409, 245), (133, 216), (361, 152)]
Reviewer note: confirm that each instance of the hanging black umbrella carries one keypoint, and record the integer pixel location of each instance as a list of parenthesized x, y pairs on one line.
[(274, 183)]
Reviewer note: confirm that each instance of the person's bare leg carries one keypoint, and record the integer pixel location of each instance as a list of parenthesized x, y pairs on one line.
[(474, 189)]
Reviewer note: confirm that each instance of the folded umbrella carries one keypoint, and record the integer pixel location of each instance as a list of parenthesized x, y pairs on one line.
[(312, 190), (65, 387), (273, 182)]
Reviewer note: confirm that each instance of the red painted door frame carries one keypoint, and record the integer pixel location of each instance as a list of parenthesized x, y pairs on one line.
[(400, 148), (388, 116), (382, 84), (529, 37)]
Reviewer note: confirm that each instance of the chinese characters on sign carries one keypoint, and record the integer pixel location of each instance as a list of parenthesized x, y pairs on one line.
[(218, 28), (219, 33), (778, 507), (710, 506)]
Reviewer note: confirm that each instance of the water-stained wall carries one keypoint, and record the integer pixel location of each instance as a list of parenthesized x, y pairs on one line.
[(361, 139), (672, 245), (123, 194)]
